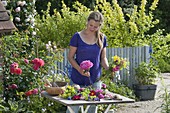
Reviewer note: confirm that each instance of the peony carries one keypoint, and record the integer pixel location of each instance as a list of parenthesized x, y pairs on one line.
[(86, 65)]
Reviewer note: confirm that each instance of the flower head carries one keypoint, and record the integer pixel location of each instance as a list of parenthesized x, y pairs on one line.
[(86, 65), (118, 63)]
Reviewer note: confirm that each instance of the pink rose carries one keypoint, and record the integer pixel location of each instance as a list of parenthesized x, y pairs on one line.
[(36, 67), (18, 71)]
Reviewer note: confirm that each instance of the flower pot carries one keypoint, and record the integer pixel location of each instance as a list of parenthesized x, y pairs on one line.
[(145, 92)]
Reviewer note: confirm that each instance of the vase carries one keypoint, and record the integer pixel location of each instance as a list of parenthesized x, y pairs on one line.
[(116, 76)]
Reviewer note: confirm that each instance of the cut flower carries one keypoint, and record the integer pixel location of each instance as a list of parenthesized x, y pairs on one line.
[(86, 65)]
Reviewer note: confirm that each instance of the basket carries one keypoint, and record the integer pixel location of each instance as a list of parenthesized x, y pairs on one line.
[(56, 90)]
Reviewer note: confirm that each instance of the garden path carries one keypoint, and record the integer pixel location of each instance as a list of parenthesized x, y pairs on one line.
[(151, 106)]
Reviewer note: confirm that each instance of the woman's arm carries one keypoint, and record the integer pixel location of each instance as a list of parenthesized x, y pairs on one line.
[(72, 61), (104, 61)]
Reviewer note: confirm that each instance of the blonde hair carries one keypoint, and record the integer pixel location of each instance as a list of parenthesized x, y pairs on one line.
[(98, 17)]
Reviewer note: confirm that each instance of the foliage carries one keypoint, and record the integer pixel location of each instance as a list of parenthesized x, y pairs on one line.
[(23, 13), (60, 27), (165, 106), (21, 50), (119, 88), (164, 65), (146, 73)]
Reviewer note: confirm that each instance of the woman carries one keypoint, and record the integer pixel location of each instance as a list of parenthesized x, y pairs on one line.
[(88, 44)]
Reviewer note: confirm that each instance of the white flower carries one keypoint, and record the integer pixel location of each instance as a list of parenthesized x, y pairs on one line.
[(19, 3), (27, 20), (23, 3), (18, 9), (32, 20), (4, 3), (34, 33), (17, 19)]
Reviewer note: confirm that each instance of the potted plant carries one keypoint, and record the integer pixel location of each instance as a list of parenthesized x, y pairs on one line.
[(146, 74)]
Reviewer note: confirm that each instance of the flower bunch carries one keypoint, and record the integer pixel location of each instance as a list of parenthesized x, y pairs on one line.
[(89, 94), (35, 64), (86, 65), (118, 63), (14, 69)]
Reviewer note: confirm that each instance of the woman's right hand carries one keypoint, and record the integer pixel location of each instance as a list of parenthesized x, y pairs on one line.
[(84, 73)]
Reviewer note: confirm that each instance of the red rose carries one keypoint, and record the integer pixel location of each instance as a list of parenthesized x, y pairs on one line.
[(18, 71), (28, 93)]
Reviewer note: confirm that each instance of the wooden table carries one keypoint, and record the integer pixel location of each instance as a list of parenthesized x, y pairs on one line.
[(81, 103)]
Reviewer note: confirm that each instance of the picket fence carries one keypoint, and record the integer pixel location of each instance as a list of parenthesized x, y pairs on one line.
[(135, 55)]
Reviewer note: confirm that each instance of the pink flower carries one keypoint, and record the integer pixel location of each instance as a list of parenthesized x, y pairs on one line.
[(41, 62), (18, 71), (14, 65), (86, 65), (28, 93), (104, 86), (101, 96), (26, 61), (37, 63), (36, 67), (76, 97), (14, 69), (13, 86), (35, 91), (117, 68)]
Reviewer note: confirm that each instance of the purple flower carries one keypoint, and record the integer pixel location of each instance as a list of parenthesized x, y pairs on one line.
[(104, 86), (99, 91), (86, 65), (101, 96)]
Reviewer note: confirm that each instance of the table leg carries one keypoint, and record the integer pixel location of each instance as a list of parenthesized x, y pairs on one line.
[(108, 108), (86, 108), (70, 109), (84, 111)]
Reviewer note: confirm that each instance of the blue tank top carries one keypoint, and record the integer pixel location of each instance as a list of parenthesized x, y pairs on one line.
[(86, 52)]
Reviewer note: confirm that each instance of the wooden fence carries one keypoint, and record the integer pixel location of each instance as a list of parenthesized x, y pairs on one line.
[(135, 55)]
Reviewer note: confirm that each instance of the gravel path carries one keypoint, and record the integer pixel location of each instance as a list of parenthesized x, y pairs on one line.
[(152, 106)]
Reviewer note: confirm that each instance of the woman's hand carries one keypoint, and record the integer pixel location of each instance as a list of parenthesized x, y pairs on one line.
[(84, 73)]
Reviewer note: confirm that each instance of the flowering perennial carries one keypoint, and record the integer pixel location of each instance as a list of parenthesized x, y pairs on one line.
[(118, 63), (14, 69), (89, 94), (86, 65)]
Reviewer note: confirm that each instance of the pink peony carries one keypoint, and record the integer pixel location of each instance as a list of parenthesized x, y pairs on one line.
[(86, 65)]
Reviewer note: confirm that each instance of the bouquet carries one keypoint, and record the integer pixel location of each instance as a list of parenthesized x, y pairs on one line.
[(86, 65), (118, 63)]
